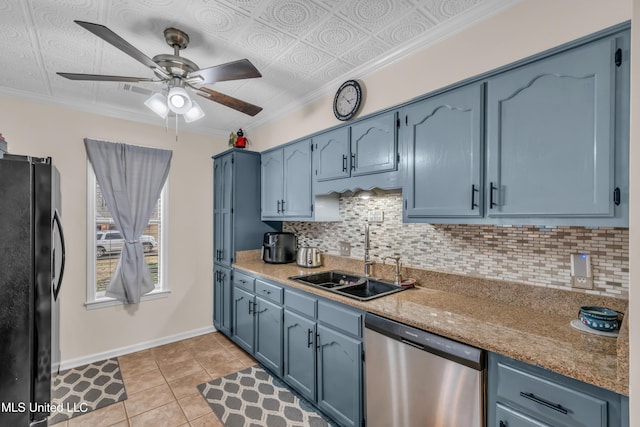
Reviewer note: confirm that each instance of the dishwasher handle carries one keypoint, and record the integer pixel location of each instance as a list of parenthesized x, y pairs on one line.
[(440, 346)]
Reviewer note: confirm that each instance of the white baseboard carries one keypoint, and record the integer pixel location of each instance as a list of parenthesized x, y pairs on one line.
[(80, 361)]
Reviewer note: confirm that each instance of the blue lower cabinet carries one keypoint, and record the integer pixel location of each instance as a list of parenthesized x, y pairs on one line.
[(300, 354), (520, 394), (243, 321), (313, 344), (222, 299), (339, 376), (268, 334)]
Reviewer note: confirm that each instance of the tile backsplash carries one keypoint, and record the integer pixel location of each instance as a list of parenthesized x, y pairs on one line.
[(525, 254)]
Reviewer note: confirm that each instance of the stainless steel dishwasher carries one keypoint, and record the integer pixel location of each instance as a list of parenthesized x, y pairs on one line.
[(415, 378)]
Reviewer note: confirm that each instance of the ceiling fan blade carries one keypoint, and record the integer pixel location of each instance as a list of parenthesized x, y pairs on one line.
[(236, 70), (229, 101), (102, 78), (110, 37)]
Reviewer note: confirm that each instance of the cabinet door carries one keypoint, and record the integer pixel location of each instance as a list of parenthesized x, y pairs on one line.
[(268, 348), (332, 156), (217, 298), (374, 145), (243, 318), (300, 354), (225, 217), (218, 186), (272, 183), (339, 376), (222, 306), (445, 155), (507, 417), (551, 136), (297, 180)]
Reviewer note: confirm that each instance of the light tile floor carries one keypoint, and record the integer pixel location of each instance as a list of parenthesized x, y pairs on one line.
[(161, 384)]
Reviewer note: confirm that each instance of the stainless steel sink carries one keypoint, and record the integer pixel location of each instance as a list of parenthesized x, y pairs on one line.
[(327, 279), (349, 285)]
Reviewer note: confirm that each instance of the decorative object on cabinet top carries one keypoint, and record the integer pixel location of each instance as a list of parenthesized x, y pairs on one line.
[(348, 100)]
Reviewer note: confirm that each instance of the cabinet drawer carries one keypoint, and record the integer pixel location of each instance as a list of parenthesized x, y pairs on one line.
[(340, 317), (304, 304), (508, 417), (243, 281), (547, 400), (268, 291)]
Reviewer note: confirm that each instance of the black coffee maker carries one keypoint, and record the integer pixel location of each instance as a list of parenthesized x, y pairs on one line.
[(279, 248)]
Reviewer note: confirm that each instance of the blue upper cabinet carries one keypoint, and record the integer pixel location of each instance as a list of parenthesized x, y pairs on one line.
[(361, 155), (545, 143), (332, 154), (551, 136), (272, 184), (444, 147), (297, 180), (236, 205), (286, 182), (374, 145), (222, 206)]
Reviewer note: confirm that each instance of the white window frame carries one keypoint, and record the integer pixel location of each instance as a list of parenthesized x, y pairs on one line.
[(97, 299)]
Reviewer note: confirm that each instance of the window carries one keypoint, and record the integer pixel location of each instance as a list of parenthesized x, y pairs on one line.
[(104, 244)]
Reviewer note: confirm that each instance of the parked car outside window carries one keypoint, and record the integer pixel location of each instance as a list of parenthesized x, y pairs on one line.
[(111, 241)]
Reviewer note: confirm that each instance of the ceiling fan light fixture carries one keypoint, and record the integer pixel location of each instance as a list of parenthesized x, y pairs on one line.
[(195, 113), (158, 104), (178, 100)]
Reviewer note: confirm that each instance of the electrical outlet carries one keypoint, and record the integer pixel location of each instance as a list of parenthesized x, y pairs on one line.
[(582, 282), (345, 249), (375, 216), (581, 276)]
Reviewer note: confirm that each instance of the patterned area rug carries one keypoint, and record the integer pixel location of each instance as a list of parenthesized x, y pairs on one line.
[(86, 388), (252, 397)]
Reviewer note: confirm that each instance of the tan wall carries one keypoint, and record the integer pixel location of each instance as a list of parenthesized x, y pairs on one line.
[(43, 130), (525, 29)]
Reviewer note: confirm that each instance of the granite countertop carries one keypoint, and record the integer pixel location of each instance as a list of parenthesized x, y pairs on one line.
[(524, 322)]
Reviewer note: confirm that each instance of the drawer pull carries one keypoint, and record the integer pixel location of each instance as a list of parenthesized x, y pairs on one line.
[(536, 399), (266, 291)]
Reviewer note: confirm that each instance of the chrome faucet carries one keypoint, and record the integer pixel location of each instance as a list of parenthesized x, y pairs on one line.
[(398, 277), (367, 246)]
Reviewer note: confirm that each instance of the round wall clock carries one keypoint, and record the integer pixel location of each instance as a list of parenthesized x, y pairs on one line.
[(347, 100)]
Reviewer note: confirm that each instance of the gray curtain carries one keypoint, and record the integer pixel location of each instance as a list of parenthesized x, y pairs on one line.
[(131, 179)]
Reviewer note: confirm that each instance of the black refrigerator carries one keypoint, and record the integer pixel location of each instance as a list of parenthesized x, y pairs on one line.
[(31, 269)]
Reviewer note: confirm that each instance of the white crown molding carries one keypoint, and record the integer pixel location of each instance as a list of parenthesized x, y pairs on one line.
[(441, 32), (102, 110)]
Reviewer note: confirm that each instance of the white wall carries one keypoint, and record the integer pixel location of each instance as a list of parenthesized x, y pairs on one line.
[(44, 130), (525, 29)]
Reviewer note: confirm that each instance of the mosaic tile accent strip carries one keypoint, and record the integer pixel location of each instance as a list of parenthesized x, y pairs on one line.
[(526, 254), (78, 391), (253, 397)]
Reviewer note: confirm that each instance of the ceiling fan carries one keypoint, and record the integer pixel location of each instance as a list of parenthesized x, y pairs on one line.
[(178, 73)]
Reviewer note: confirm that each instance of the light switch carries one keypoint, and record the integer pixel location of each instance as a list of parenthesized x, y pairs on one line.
[(581, 276)]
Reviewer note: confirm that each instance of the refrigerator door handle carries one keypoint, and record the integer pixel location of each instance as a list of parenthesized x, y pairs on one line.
[(56, 289)]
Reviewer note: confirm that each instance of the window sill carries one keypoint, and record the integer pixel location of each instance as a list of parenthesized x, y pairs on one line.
[(110, 302)]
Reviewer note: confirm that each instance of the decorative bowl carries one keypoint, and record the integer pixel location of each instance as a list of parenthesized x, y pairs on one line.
[(599, 318)]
